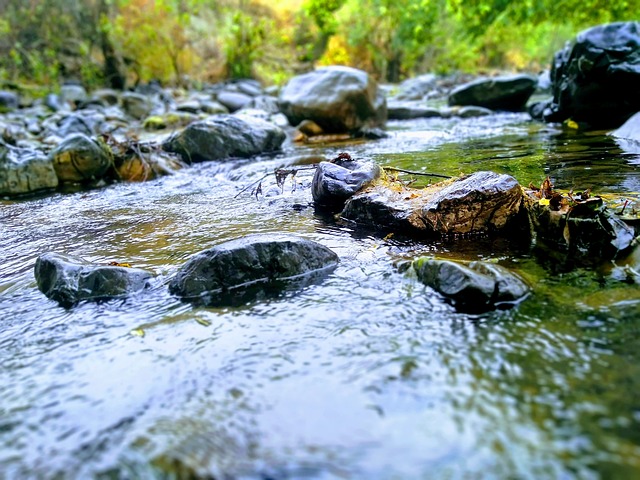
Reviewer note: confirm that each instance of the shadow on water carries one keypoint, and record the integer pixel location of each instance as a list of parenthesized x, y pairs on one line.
[(368, 374)]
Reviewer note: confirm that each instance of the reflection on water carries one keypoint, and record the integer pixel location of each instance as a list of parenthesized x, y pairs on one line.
[(367, 375)]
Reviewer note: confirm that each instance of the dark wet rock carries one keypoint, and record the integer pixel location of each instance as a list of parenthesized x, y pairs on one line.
[(78, 158), (234, 101), (189, 106), (8, 101), (335, 182), (416, 88), (587, 233), (212, 107), (106, 96), (225, 136), (477, 287), (137, 105), (410, 110), (251, 267), (142, 166), (481, 203), (595, 79), (339, 99), (509, 92), (25, 171), (68, 280)]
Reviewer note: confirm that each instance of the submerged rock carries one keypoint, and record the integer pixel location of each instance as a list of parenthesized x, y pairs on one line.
[(595, 79), (225, 136), (78, 158), (484, 202), (251, 267), (509, 92), (477, 287), (334, 182), (25, 171), (339, 99), (68, 280)]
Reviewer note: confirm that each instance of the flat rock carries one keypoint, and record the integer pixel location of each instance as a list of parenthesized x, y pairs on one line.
[(68, 280), (481, 203), (251, 267), (225, 136)]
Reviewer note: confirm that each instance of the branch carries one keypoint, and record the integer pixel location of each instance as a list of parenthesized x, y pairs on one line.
[(393, 169)]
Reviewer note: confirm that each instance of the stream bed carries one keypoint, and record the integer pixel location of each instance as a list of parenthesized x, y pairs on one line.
[(369, 374)]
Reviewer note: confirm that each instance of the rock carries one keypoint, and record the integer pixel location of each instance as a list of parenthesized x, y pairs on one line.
[(78, 158), (416, 88), (266, 103), (234, 101), (481, 203), (147, 166), (471, 111), (476, 288), (509, 92), (73, 94), (630, 130), (410, 110), (249, 87), (595, 79), (586, 233), (628, 135), (106, 96), (136, 105), (339, 99), (250, 267), (74, 124), (68, 280), (335, 182), (224, 136), (309, 128), (190, 105), (25, 171), (8, 101), (212, 107)]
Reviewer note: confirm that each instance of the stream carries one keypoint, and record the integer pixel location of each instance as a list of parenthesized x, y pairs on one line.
[(369, 374)]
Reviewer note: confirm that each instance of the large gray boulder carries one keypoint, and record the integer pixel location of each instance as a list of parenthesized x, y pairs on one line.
[(595, 79), (251, 267), (509, 92), (339, 99), (477, 287), (481, 203), (25, 171), (79, 158), (334, 182), (68, 280), (225, 136)]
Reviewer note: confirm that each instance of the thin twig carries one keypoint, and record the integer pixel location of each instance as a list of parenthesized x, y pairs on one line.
[(251, 185), (393, 169)]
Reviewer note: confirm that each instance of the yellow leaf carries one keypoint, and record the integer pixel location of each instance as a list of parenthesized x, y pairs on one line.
[(571, 124), (137, 332), (544, 201), (118, 264)]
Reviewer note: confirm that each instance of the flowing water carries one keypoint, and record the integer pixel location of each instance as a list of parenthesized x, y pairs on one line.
[(367, 375)]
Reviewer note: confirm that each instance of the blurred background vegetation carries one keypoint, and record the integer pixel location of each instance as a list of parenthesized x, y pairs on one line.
[(188, 42)]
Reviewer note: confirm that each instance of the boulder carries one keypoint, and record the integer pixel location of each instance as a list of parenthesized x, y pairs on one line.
[(339, 99), (78, 158), (251, 267), (595, 79), (68, 280), (25, 171), (73, 94), (334, 182), (475, 288), (225, 136), (509, 92), (481, 203), (416, 88)]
